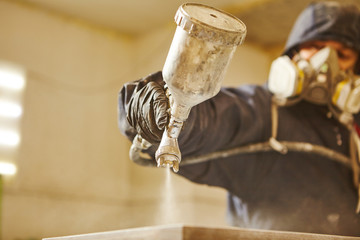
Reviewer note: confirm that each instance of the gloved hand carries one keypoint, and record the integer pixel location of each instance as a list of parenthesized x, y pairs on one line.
[(143, 108)]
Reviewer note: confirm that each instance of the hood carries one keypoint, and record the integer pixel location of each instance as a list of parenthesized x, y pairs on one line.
[(326, 21)]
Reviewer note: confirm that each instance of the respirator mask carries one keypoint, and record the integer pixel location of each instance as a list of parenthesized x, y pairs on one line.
[(318, 80)]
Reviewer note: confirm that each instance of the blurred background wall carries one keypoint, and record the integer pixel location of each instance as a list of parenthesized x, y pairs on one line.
[(73, 173)]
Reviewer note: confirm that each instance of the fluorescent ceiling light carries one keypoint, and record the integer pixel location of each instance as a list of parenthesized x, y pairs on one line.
[(11, 79), (7, 168), (9, 138), (9, 109)]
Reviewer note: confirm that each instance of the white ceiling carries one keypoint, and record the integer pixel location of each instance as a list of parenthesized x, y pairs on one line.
[(268, 21)]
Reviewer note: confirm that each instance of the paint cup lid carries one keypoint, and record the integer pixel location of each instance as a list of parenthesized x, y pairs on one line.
[(210, 24)]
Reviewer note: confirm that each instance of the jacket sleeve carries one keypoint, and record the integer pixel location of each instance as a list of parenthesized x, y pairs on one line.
[(234, 117)]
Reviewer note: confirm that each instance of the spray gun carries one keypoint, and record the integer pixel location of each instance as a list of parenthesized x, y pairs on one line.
[(203, 45)]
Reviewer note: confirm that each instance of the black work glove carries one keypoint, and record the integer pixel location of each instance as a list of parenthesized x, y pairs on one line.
[(143, 108)]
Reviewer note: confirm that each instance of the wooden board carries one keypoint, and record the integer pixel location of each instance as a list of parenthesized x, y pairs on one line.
[(183, 232)]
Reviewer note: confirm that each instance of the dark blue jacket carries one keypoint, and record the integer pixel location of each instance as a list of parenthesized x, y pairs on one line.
[(297, 191)]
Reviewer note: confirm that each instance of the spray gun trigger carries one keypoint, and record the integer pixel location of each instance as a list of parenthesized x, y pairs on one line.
[(168, 161)]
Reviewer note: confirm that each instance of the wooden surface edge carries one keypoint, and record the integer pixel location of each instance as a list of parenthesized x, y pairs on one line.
[(187, 232)]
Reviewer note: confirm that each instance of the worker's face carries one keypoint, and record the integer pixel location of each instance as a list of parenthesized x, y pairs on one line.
[(347, 56)]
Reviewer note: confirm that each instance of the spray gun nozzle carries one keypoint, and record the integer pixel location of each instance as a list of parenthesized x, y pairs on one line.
[(168, 152), (168, 161)]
